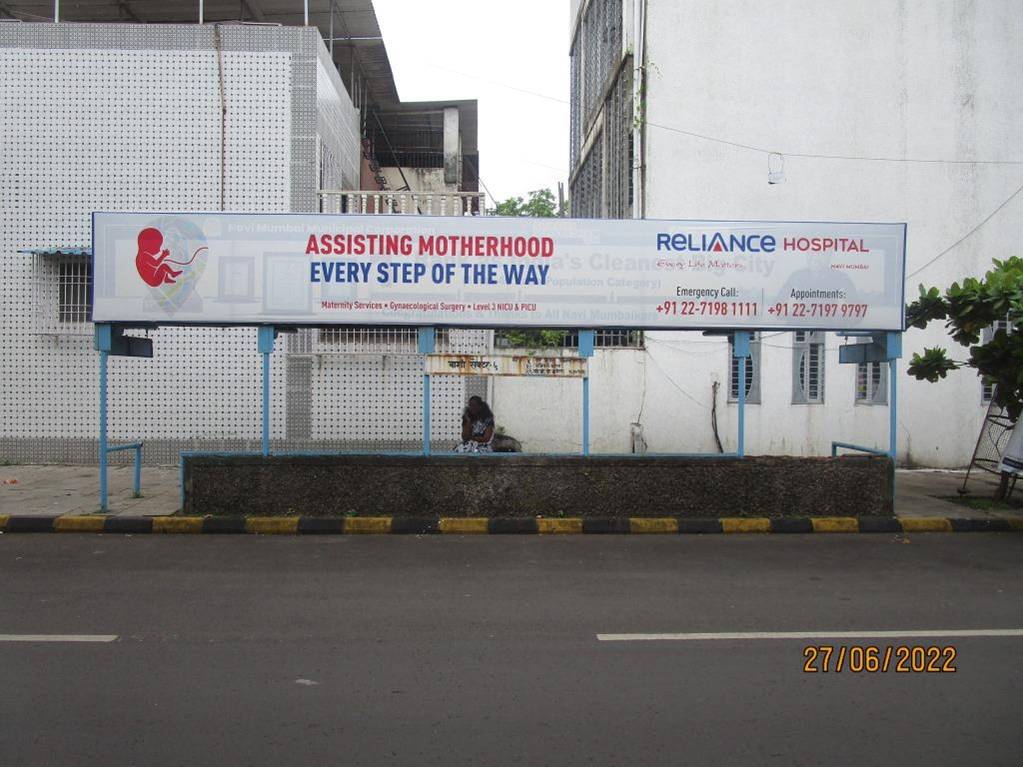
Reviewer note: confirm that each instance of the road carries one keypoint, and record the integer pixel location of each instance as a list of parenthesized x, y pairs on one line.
[(401, 650)]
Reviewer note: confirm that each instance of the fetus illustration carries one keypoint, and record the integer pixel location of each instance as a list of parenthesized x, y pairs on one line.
[(154, 262)]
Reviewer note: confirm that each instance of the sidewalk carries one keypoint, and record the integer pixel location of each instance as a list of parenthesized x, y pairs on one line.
[(60, 490)]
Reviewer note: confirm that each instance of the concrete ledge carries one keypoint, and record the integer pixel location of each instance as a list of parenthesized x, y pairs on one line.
[(528, 486), (500, 525)]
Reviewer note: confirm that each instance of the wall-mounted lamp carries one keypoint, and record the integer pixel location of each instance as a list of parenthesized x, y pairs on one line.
[(775, 168)]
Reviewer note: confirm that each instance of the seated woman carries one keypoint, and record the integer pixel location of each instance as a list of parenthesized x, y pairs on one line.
[(477, 427)]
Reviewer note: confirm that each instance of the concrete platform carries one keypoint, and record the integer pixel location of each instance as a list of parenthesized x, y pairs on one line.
[(60, 490)]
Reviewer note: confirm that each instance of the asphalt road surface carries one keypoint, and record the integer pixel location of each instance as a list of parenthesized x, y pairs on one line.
[(387, 650)]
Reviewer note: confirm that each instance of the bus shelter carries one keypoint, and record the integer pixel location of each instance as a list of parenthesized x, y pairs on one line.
[(315, 270)]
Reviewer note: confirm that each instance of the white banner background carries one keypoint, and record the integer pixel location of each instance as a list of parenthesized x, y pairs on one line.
[(210, 268)]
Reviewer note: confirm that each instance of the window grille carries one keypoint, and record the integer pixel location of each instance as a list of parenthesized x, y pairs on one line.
[(612, 338), (74, 287), (618, 119), (383, 340), (63, 294), (601, 51), (871, 383), (987, 388), (587, 186), (752, 371), (808, 368), (368, 340), (575, 100)]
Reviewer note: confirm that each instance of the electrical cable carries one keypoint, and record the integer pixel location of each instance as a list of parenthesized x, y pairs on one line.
[(955, 244), (498, 83), (673, 382), (479, 178), (814, 156)]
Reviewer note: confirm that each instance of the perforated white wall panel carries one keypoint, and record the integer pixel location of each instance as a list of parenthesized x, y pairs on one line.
[(128, 117)]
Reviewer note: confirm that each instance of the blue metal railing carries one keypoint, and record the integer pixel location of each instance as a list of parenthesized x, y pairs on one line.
[(836, 446), (137, 479)]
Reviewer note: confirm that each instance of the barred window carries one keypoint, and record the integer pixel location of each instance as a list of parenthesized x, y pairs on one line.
[(368, 340), (610, 338), (871, 383), (74, 289), (600, 180), (808, 368), (576, 107), (752, 371), (587, 193)]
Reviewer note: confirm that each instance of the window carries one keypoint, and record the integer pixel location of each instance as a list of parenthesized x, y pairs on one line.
[(808, 368), (601, 115), (74, 290), (871, 383), (752, 372), (368, 340), (587, 192), (612, 338), (987, 389)]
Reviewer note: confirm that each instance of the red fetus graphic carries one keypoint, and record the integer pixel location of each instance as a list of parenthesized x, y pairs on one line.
[(154, 262)]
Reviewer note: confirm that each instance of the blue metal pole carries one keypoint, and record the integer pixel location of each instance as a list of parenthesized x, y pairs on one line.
[(586, 415), (893, 409), (138, 471), (740, 350), (742, 407), (265, 344), (103, 500), (427, 345), (266, 404), (587, 340), (426, 414)]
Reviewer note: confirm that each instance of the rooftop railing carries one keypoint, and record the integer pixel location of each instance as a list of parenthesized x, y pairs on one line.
[(402, 203)]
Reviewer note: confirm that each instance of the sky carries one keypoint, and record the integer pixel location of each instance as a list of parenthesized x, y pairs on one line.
[(485, 50)]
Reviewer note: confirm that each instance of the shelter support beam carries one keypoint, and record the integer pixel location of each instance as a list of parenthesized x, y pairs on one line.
[(267, 334), (427, 345), (586, 350), (893, 349), (740, 350), (103, 498)]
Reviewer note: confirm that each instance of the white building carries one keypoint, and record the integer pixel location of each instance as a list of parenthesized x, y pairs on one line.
[(675, 108), (189, 117)]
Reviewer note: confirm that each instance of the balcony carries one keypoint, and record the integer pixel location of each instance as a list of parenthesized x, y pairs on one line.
[(342, 201)]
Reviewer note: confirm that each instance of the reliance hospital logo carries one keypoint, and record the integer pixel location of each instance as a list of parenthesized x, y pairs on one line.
[(716, 242), (170, 258)]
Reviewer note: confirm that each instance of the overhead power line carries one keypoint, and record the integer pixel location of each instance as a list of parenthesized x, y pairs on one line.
[(811, 155), (966, 236)]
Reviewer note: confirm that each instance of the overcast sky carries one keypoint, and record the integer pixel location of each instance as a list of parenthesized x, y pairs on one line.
[(484, 50)]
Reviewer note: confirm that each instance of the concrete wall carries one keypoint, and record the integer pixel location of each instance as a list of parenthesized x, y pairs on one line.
[(879, 78), (531, 486)]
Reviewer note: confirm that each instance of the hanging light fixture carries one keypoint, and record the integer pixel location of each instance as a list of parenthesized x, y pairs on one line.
[(775, 168)]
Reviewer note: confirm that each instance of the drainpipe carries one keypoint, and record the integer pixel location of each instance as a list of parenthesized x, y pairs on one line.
[(638, 111)]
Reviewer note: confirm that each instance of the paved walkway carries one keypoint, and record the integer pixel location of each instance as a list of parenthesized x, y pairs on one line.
[(57, 490)]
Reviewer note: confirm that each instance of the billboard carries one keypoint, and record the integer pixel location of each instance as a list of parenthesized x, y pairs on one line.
[(315, 270)]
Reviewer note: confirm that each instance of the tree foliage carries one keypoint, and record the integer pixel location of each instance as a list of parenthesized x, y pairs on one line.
[(541, 204), (968, 309)]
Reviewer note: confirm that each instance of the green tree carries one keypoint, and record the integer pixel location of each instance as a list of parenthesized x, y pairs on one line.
[(968, 309), (541, 204)]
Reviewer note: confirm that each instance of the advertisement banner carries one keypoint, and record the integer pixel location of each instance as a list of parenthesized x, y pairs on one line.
[(315, 270)]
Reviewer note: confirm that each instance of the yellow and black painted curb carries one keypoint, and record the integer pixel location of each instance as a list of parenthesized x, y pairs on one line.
[(497, 525)]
